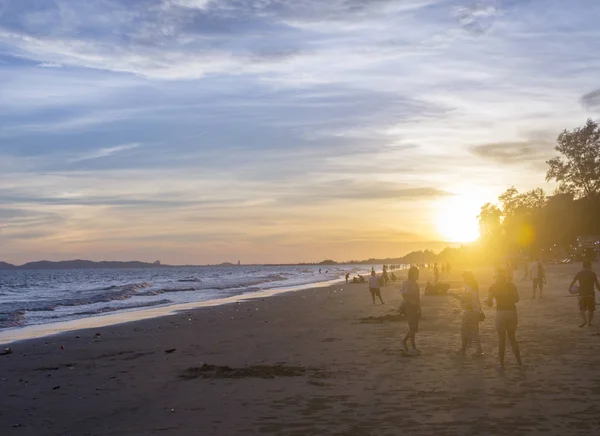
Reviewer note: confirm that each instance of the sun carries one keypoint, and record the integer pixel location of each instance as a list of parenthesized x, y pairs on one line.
[(456, 218)]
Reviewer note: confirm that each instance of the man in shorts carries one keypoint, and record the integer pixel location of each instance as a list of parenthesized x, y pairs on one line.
[(538, 275), (374, 287), (587, 298)]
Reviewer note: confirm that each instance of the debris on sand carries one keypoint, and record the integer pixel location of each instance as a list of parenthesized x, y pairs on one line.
[(253, 371), (5, 352), (170, 350)]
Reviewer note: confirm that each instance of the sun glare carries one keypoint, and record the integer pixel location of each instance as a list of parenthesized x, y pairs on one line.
[(456, 218)]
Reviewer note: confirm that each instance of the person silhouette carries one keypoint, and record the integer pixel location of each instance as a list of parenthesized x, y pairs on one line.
[(374, 287), (537, 274), (506, 295), (587, 298), (411, 307)]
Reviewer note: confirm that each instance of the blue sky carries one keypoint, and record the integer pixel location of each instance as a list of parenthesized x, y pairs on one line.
[(276, 130)]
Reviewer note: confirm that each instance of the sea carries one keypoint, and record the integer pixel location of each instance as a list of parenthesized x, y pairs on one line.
[(37, 297)]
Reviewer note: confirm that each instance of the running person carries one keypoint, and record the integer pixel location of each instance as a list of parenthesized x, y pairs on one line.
[(374, 287), (587, 298), (411, 295), (506, 295)]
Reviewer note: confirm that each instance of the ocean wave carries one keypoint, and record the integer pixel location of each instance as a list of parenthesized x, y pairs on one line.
[(190, 279), (122, 293), (108, 309), (12, 319)]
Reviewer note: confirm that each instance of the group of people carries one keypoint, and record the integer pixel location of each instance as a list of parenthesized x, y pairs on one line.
[(382, 281), (503, 293)]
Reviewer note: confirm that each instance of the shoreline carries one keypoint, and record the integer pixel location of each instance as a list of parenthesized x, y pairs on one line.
[(12, 335)]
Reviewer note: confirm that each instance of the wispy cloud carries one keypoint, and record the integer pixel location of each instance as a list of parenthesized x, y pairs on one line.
[(514, 152), (105, 152), (49, 65)]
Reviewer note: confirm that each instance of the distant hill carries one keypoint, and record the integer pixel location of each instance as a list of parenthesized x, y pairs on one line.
[(4, 265), (80, 264)]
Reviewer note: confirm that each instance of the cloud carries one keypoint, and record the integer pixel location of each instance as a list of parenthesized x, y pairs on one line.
[(191, 4), (510, 153), (591, 100), (105, 152), (478, 17), (347, 190), (49, 65), (173, 39)]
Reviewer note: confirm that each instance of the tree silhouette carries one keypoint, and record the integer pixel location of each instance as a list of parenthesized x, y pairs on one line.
[(578, 170)]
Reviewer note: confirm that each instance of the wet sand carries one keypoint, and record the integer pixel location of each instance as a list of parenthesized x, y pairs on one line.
[(314, 362)]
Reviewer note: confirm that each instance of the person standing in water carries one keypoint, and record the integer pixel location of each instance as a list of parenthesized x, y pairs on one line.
[(347, 277), (587, 298), (374, 287), (471, 317), (411, 295), (538, 275), (506, 295)]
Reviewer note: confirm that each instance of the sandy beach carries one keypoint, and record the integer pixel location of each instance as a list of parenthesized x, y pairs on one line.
[(313, 362)]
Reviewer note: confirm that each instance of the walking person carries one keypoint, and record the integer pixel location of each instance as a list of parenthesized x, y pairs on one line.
[(347, 277), (471, 317), (506, 295), (538, 275), (587, 298), (374, 287), (411, 295), (436, 273)]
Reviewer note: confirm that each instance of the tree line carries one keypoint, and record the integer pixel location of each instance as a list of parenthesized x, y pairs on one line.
[(534, 224)]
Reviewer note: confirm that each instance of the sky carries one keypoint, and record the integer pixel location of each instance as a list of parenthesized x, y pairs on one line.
[(204, 131)]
